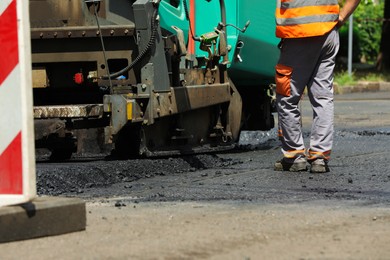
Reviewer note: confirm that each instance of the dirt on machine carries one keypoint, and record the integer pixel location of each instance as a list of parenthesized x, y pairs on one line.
[(156, 77)]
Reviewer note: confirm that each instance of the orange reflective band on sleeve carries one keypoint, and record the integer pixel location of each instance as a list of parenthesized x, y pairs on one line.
[(280, 133), (313, 155)]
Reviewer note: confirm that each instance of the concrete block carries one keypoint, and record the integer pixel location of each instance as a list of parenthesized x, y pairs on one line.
[(44, 216), (344, 90), (367, 86), (384, 86)]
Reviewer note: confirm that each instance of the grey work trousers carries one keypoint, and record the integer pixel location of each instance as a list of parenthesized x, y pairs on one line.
[(306, 62)]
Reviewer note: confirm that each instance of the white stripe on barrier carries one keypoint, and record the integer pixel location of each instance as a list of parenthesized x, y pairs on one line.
[(4, 4), (28, 155), (11, 118)]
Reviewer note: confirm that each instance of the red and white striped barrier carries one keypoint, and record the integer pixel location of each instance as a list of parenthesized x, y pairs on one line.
[(17, 158)]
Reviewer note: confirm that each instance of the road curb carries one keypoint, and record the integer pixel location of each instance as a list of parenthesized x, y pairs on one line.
[(362, 86), (384, 86), (45, 216)]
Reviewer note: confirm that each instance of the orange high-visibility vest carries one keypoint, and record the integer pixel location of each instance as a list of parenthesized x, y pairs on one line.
[(305, 18)]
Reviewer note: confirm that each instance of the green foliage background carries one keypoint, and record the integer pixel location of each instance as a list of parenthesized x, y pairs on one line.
[(367, 30)]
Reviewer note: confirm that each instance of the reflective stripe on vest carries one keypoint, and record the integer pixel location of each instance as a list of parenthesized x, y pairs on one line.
[(305, 18)]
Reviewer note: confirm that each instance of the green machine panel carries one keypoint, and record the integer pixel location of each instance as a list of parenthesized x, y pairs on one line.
[(258, 50), (253, 54)]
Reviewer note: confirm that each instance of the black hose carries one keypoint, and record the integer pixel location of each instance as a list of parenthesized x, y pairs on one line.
[(186, 10), (141, 55)]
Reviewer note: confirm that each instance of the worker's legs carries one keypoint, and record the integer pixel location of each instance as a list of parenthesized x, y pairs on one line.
[(320, 90), (295, 68)]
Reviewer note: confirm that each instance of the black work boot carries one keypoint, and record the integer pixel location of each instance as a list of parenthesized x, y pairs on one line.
[(299, 165)]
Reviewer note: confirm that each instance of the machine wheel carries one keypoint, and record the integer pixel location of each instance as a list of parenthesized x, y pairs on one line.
[(61, 154), (128, 142), (62, 147)]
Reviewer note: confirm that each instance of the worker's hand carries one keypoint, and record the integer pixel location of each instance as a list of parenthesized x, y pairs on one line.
[(341, 22), (348, 8)]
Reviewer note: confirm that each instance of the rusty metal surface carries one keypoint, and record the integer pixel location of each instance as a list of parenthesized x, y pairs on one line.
[(43, 128), (117, 106), (61, 13), (77, 56), (68, 111), (234, 114), (82, 32), (66, 12), (182, 99), (39, 77)]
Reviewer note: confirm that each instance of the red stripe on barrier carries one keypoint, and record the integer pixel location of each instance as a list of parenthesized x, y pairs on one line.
[(11, 172), (9, 56)]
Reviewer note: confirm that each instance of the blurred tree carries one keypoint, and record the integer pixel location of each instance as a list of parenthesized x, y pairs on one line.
[(366, 33), (384, 56)]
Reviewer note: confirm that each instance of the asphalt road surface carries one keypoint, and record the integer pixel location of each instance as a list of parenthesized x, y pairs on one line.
[(232, 205)]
